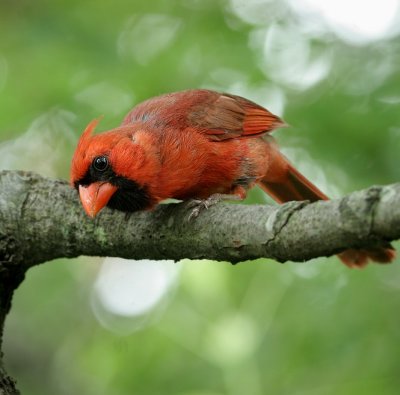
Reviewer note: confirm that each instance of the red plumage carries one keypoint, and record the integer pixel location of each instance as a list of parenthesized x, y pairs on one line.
[(193, 144)]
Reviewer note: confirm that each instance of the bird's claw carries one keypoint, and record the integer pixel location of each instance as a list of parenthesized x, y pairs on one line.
[(198, 205)]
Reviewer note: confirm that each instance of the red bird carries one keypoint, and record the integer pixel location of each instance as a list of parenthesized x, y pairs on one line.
[(196, 144)]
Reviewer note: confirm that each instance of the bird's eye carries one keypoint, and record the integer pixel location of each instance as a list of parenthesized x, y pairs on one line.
[(100, 163)]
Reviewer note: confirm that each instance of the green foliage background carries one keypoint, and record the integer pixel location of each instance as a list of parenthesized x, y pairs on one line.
[(256, 328)]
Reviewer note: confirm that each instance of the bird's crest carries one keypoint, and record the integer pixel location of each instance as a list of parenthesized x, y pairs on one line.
[(78, 161), (87, 133)]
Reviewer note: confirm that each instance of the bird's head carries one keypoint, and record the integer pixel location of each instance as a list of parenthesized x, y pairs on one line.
[(104, 167)]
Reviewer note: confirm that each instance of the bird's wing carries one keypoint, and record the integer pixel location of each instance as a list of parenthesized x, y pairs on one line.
[(231, 116), (220, 116)]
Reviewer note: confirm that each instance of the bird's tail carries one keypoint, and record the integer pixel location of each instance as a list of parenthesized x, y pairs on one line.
[(292, 185)]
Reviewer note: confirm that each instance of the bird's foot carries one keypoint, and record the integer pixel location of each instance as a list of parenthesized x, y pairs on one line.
[(198, 205)]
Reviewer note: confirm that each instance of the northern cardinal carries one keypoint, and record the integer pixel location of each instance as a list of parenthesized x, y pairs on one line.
[(195, 144)]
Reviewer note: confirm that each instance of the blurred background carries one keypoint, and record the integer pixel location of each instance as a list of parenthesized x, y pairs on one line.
[(331, 69)]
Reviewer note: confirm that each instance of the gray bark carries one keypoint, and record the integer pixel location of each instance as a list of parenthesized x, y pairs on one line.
[(41, 219)]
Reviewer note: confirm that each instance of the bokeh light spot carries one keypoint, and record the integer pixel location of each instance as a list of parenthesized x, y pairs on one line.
[(231, 339), (354, 21), (144, 37), (126, 291)]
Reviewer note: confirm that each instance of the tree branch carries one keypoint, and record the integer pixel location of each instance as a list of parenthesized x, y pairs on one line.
[(42, 219)]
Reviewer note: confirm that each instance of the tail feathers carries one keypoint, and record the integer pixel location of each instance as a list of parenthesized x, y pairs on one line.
[(294, 186), (360, 258)]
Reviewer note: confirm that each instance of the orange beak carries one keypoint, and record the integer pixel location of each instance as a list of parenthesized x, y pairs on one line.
[(95, 196)]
